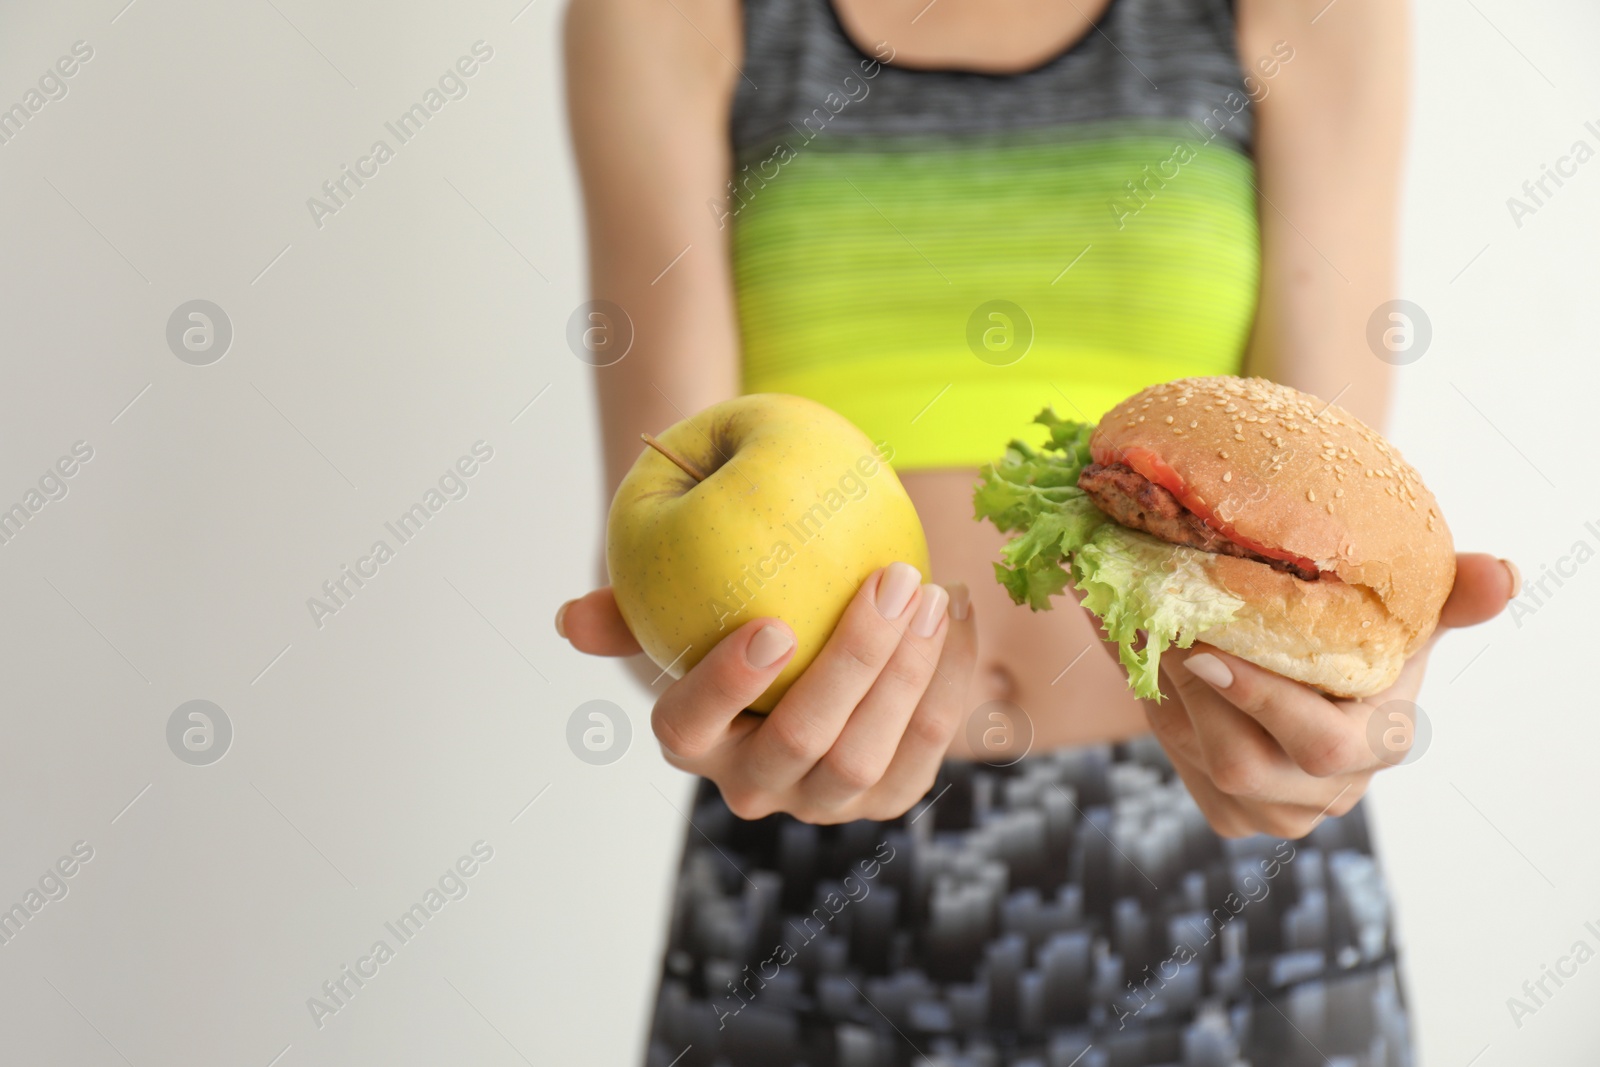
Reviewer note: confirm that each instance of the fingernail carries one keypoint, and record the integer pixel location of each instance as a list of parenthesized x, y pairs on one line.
[(1209, 668), (960, 601), (767, 647), (1516, 578), (561, 617), (930, 611), (896, 585)]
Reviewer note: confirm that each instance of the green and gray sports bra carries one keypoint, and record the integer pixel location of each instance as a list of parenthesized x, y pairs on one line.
[(939, 254)]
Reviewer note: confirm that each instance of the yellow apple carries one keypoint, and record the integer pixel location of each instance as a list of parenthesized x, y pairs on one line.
[(796, 509)]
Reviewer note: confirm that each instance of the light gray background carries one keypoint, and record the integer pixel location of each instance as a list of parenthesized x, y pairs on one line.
[(370, 753)]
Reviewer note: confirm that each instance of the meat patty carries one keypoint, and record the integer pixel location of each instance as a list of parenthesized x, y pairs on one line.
[(1133, 500)]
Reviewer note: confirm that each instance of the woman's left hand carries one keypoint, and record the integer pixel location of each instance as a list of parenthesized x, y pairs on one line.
[(1263, 754)]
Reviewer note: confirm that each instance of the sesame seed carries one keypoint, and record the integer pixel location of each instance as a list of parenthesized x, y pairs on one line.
[(1227, 476), (1311, 495)]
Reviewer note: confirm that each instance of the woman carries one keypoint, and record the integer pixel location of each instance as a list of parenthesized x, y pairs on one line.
[(935, 218)]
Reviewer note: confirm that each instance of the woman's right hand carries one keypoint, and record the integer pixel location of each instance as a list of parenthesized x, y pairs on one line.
[(859, 735)]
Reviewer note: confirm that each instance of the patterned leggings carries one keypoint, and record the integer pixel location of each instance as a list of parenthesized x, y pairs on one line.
[(1070, 910)]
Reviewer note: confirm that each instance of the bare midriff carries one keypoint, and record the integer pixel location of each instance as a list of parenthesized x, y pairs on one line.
[(1051, 664)]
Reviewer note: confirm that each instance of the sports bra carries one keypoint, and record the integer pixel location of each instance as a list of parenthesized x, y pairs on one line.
[(938, 254)]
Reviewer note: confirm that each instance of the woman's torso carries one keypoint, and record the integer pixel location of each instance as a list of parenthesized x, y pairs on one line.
[(939, 253)]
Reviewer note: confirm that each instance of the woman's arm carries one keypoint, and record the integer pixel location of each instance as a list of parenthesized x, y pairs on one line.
[(649, 87), (1329, 140), (862, 732), (1260, 753)]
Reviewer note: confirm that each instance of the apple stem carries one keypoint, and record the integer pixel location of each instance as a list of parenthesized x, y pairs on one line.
[(688, 468)]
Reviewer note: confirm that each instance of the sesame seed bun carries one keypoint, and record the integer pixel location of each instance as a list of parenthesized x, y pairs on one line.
[(1291, 473)]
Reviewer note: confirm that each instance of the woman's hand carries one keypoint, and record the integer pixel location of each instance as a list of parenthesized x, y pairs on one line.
[(1263, 754), (859, 735)]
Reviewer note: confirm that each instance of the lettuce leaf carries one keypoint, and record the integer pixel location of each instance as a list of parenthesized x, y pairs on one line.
[(1133, 582), (1034, 493)]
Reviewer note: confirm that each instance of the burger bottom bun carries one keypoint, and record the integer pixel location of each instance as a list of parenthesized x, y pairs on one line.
[(1328, 634)]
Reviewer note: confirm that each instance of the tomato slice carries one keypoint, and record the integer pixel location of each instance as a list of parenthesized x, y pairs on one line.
[(1157, 470)]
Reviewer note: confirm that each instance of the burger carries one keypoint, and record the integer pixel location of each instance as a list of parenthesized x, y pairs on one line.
[(1268, 523)]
